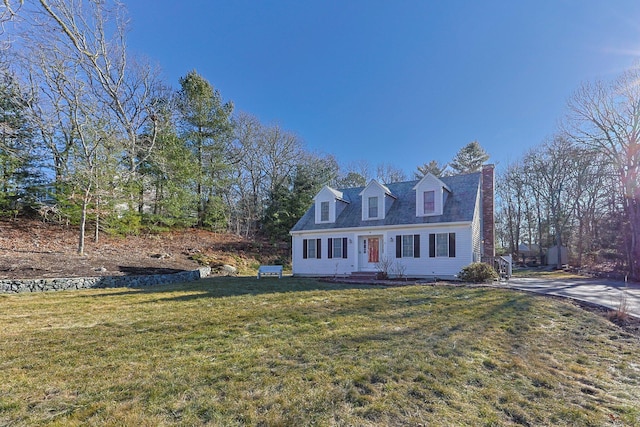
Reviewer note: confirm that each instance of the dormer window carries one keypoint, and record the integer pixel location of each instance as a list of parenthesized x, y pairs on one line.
[(431, 194), (324, 211), (429, 202), (373, 207), (329, 204), (376, 201)]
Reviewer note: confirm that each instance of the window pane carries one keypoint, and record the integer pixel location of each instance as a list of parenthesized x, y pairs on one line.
[(373, 207), (324, 211), (429, 201), (407, 246), (337, 248), (442, 244), (311, 248)]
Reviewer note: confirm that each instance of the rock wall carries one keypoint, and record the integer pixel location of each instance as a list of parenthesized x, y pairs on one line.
[(62, 284)]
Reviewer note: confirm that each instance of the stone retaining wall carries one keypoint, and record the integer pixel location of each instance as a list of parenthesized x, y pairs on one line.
[(62, 284)]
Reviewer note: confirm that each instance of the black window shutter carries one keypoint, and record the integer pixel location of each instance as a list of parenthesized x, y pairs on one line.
[(304, 248), (330, 249), (398, 246), (452, 245), (416, 246), (432, 245), (344, 247), (319, 249)]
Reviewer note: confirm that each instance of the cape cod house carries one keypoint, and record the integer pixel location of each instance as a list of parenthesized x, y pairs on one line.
[(428, 228)]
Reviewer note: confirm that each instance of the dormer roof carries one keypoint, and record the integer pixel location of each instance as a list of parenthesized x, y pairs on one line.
[(374, 183), (338, 195), (430, 180)]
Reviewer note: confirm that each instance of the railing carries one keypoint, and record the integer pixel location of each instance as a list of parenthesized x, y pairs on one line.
[(502, 264)]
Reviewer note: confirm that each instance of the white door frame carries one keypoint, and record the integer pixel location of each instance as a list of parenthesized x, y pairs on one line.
[(367, 252)]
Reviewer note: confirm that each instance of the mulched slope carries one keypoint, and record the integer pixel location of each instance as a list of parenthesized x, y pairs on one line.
[(34, 249)]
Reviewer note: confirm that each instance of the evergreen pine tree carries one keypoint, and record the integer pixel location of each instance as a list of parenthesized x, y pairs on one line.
[(470, 158)]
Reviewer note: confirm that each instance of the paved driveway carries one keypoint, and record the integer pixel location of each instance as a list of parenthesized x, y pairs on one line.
[(608, 293)]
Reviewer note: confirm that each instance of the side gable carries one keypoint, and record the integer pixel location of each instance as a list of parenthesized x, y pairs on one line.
[(431, 195)]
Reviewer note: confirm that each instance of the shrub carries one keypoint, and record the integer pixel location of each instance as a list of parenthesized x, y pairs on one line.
[(478, 272), (621, 314), (384, 267), (128, 223)]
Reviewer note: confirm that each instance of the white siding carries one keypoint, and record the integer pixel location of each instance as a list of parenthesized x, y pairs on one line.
[(425, 266), (324, 266), (443, 267)]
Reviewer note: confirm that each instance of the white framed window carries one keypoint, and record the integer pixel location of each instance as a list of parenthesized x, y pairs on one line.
[(338, 247), (408, 246), (324, 211), (311, 248), (373, 207), (442, 245)]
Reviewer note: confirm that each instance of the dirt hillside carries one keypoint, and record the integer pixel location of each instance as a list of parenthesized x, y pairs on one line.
[(33, 249)]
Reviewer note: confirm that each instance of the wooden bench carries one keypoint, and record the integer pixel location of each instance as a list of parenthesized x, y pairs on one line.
[(270, 270)]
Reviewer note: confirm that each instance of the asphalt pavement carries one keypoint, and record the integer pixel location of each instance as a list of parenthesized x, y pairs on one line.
[(609, 293)]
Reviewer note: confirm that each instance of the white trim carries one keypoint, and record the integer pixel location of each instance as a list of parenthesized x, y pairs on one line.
[(431, 176), (338, 195), (383, 187)]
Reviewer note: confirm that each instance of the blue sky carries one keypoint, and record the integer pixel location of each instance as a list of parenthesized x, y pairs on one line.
[(400, 82)]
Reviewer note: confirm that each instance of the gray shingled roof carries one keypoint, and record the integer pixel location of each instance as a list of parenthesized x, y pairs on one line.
[(459, 206)]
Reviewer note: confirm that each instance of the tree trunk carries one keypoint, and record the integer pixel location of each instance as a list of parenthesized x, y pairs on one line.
[(83, 221), (633, 209), (581, 236), (200, 189), (96, 235)]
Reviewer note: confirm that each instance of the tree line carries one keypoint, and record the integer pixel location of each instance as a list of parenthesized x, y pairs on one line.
[(96, 133), (581, 188)]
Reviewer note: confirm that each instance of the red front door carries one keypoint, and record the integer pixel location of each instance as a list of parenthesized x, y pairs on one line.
[(374, 250)]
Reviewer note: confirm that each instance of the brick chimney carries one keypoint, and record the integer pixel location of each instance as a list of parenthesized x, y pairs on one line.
[(488, 220)]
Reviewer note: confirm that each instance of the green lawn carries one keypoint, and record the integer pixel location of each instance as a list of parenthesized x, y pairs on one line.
[(293, 352)]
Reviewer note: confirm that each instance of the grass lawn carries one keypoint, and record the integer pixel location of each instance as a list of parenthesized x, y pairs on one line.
[(296, 352)]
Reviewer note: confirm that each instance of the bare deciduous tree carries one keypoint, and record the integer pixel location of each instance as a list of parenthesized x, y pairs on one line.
[(281, 152), (387, 174), (559, 193), (8, 11), (248, 194), (606, 117), (91, 102), (511, 191), (92, 33), (355, 174), (553, 168)]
